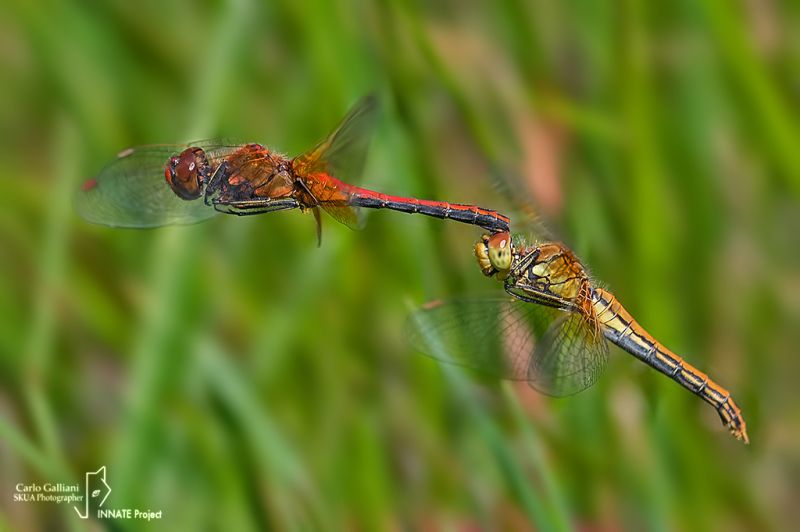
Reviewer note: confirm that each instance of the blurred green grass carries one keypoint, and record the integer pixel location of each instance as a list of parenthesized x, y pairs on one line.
[(237, 377)]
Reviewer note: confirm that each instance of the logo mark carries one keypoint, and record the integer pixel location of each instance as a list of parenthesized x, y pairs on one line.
[(96, 488)]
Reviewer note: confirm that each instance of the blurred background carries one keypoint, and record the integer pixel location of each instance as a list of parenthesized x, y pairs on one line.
[(235, 376)]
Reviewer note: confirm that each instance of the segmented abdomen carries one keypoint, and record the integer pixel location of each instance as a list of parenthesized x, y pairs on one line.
[(470, 214), (620, 328)]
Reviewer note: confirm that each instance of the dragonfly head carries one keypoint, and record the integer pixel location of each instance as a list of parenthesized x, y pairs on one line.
[(186, 173), (494, 254)]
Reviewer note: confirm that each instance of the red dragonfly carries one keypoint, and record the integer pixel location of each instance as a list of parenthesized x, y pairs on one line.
[(156, 185)]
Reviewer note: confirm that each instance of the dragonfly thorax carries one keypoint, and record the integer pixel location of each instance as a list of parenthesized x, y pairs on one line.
[(495, 254), (186, 173), (553, 271)]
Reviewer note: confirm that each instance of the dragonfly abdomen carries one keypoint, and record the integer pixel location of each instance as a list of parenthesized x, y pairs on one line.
[(469, 214), (621, 329)]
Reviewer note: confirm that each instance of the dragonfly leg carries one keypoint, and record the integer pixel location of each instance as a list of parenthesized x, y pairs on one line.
[(531, 296), (215, 183), (248, 207)]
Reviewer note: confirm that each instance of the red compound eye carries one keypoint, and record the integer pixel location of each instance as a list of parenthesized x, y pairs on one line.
[(499, 241), (186, 173)]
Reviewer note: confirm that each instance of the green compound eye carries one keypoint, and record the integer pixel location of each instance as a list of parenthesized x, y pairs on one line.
[(500, 251)]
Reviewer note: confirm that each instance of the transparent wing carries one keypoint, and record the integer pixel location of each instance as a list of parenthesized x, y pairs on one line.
[(557, 352), (132, 190), (343, 152), (335, 198), (340, 156), (526, 215), (352, 217), (570, 356)]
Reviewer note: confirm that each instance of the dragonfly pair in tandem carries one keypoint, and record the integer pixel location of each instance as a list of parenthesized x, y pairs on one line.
[(551, 328), (151, 186)]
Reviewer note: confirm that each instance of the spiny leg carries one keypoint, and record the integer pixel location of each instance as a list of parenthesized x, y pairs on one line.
[(249, 207)]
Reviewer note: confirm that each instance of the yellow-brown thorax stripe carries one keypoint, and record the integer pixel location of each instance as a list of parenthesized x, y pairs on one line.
[(552, 272)]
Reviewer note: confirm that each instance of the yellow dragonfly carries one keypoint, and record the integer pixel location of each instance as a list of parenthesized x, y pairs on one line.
[(554, 329)]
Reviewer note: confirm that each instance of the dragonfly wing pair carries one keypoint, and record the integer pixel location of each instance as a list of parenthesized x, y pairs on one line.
[(557, 352)]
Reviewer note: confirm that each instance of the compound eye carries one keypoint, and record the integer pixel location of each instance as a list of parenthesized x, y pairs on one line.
[(500, 251), (185, 173)]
